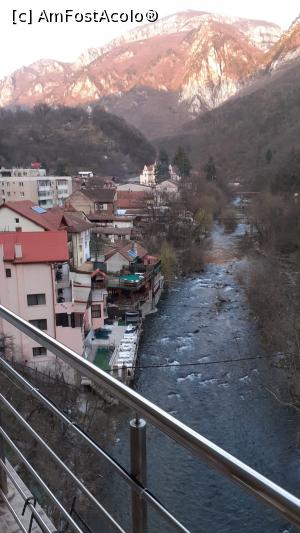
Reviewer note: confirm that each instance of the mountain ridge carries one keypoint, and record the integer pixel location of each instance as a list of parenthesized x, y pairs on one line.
[(252, 136), (181, 21), (159, 76)]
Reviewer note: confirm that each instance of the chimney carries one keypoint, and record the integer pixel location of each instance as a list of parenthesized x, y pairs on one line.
[(18, 251)]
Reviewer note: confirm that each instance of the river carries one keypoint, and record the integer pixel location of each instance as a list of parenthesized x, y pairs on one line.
[(204, 322)]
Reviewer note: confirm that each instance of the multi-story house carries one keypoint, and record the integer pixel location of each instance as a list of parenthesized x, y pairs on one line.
[(33, 184), (36, 283), (27, 281), (148, 175), (26, 216), (165, 191), (134, 280), (93, 201)]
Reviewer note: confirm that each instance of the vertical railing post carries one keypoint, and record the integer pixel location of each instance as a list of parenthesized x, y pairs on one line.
[(139, 472), (3, 477)]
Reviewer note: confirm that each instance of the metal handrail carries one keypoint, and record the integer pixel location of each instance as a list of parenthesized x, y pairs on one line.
[(58, 461), (43, 526), (13, 512), (142, 492), (227, 464), (40, 481)]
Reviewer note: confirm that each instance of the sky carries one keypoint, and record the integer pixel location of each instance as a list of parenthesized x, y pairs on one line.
[(22, 44)]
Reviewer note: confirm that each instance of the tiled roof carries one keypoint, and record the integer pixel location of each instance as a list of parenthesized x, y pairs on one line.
[(133, 187), (123, 250), (150, 259), (130, 203), (100, 195), (98, 272), (52, 219), (136, 195), (105, 217), (37, 247), (111, 230), (132, 199), (141, 251), (45, 220), (76, 224)]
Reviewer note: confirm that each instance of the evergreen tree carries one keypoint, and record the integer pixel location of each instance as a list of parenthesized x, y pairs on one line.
[(182, 162), (162, 168), (61, 169), (210, 169), (163, 157), (269, 155)]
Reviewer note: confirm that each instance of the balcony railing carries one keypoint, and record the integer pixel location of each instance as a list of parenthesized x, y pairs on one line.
[(226, 464), (45, 194)]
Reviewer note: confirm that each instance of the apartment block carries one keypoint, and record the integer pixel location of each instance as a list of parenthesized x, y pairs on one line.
[(34, 184)]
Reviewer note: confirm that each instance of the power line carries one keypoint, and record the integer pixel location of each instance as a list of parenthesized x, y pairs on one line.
[(199, 363)]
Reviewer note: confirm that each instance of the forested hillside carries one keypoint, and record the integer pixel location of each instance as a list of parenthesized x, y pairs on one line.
[(69, 139)]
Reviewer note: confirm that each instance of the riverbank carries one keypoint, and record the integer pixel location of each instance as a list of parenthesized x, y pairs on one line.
[(271, 282), (202, 361), (228, 402)]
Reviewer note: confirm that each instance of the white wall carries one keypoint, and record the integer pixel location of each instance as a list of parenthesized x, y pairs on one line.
[(27, 279), (8, 221), (123, 223), (116, 262), (81, 247)]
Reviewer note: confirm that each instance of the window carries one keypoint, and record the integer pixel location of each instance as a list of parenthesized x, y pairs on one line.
[(76, 320), (96, 311), (21, 184), (8, 194), (18, 228), (17, 220), (62, 319), (99, 206), (40, 323), (8, 272), (39, 350), (36, 299)]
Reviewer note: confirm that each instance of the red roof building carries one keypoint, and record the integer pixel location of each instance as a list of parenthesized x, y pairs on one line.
[(25, 216), (34, 247), (133, 199), (53, 219)]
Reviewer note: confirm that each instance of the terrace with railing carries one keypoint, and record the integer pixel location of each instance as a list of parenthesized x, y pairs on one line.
[(143, 412)]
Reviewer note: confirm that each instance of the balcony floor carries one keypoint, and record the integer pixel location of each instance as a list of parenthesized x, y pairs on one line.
[(7, 521)]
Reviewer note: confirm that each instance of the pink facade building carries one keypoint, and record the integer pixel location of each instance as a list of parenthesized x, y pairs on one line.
[(36, 283)]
